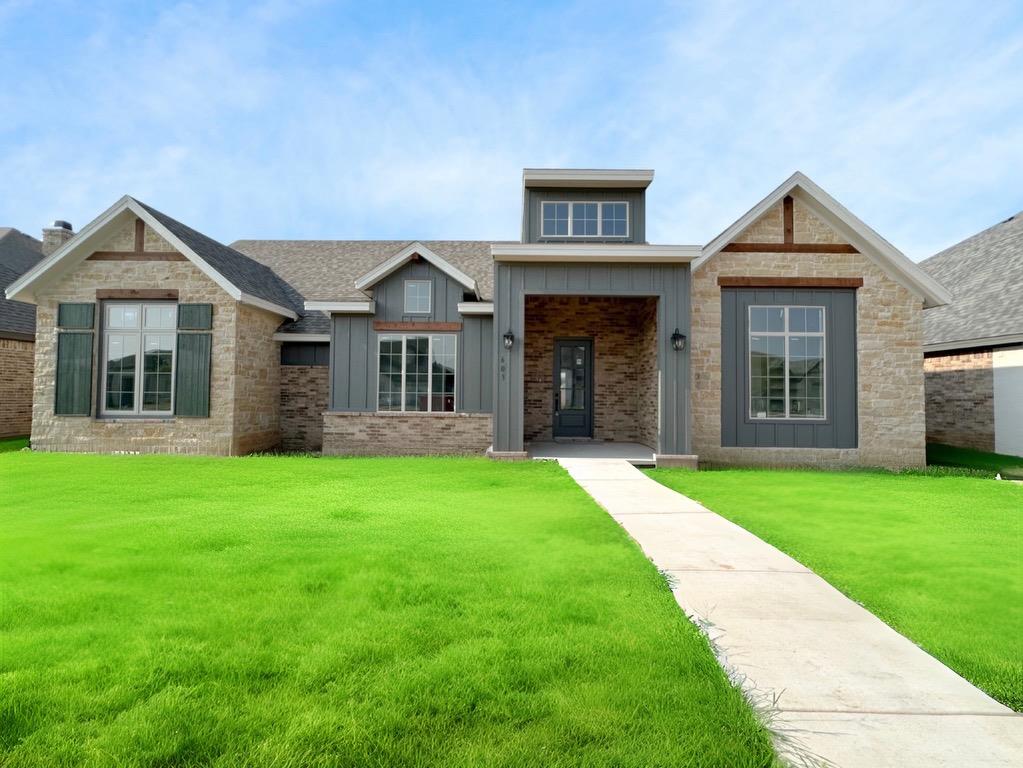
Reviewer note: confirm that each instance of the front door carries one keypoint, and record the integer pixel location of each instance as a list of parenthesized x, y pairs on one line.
[(573, 388)]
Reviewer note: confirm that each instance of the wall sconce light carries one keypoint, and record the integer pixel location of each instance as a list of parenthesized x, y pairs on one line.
[(509, 339), (678, 340)]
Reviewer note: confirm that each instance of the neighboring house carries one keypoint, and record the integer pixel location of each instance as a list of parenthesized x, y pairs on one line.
[(18, 253), (792, 338), (974, 345)]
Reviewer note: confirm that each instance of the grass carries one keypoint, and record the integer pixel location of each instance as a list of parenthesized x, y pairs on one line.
[(13, 444), (939, 558), (989, 463), (166, 611)]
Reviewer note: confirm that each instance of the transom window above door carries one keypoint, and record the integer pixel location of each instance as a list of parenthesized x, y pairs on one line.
[(786, 362), (584, 219), (138, 357)]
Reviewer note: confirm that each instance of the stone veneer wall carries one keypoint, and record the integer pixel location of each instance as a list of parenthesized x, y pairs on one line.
[(405, 434), (16, 365), (304, 399), (235, 329), (624, 333), (960, 390), (257, 381), (889, 322)]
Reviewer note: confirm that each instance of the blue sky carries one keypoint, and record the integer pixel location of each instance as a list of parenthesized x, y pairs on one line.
[(414, 120)]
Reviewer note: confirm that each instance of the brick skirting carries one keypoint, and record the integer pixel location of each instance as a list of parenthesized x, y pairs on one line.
[(405, 434), (303, 400), (16, 365), (960, 392)]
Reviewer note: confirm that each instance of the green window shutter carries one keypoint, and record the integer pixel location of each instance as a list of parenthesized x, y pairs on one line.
[(192, 378), (74, 374), (195, 317), (81, 316)]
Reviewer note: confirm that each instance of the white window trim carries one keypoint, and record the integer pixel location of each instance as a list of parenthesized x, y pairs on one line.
[(600, 216), (429, 307), (141, 332), (786, 334), (429, 379)]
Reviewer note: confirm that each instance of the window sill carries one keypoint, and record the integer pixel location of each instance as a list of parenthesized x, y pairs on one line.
[(598, 239), (137, 419), (812, 420), (414, 414)]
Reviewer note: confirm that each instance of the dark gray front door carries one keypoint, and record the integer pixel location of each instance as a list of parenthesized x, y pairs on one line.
[(573, 388)]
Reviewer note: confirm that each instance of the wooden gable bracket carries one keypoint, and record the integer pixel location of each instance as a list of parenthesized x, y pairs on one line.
[(138, 253), (789, 245)]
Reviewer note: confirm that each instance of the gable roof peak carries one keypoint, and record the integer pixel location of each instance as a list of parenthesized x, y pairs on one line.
[(241, 277), (405, 255), (889, 258)]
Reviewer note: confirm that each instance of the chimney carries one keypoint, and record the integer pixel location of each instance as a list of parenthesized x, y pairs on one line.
[(55, 236)]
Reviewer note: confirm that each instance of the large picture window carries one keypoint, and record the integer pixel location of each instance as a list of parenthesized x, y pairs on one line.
[(786, 362), (581, 219), (417, 373), (138, 350)]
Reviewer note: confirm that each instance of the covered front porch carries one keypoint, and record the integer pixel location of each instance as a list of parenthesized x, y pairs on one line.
[(591, 369), (592, 360)]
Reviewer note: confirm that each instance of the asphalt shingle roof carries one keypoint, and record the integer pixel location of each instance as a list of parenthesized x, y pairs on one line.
[(326, 270), (985, 275), (245, 273), (18, 254)]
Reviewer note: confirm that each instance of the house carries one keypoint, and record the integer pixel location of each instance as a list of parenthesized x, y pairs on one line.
[(18, 253), (795, 337), (973, 346)]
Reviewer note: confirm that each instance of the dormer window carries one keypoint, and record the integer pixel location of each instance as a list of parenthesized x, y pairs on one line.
[(614, 219), (584, 219)]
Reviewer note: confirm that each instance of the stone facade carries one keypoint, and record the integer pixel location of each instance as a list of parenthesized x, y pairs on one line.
[(244, 384), (405, 434), (304, 399), (624, 333), (889, 320), (16, 365), (960, 389)]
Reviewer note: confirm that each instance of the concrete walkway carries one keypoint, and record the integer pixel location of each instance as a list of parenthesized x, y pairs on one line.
[(846, 689)]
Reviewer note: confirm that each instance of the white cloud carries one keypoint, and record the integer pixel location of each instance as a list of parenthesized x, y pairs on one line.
[(224, 118)]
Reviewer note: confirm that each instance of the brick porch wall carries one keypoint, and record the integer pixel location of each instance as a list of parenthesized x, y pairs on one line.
[(960, 392), (624, 333), (304, 394), (16, 366), (405, 434), (647, 376)]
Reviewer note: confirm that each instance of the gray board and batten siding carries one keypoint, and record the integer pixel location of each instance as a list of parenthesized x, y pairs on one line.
[(839, 427), (668, 283), (532, 214), (354, 342)]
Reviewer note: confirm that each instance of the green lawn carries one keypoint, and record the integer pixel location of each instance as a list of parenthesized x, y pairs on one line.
[(285, 611), (940, 558), (13, 444), (989, 463)]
